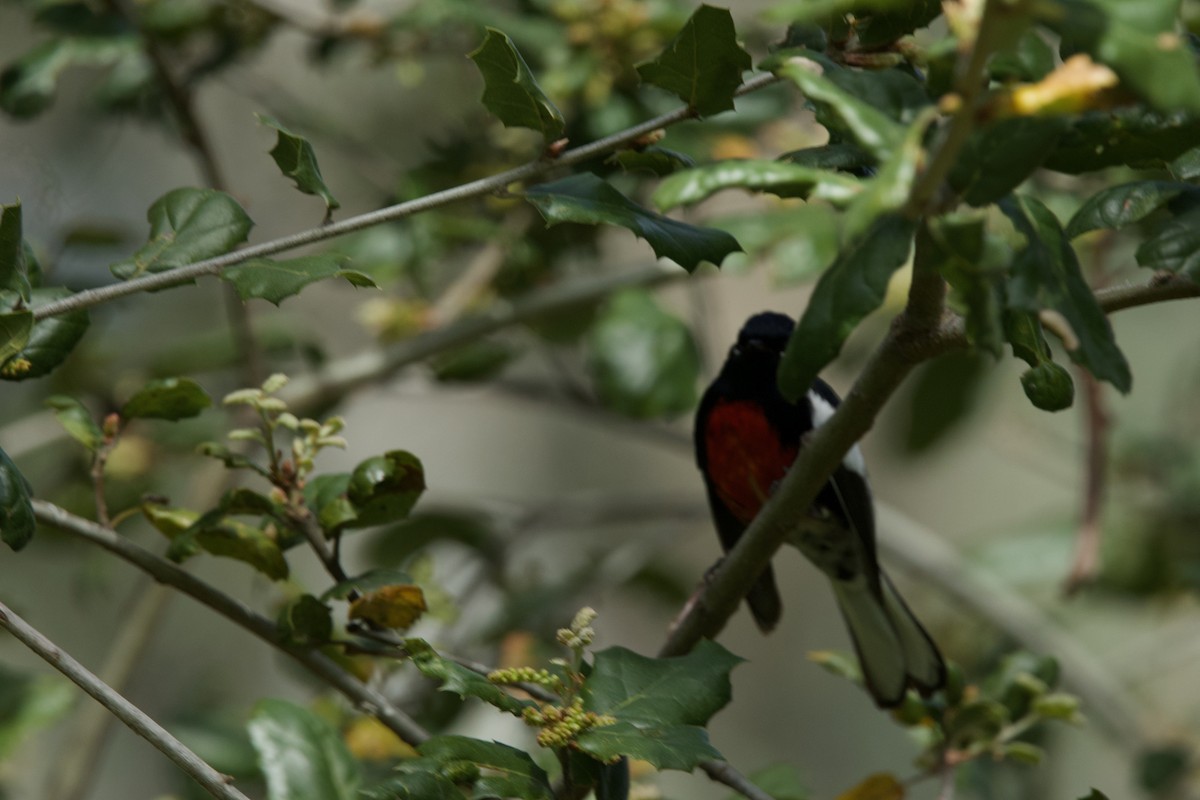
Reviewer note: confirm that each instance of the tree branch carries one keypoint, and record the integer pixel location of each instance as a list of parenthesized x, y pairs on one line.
[(213, 782), (479, 188), (165, 572)]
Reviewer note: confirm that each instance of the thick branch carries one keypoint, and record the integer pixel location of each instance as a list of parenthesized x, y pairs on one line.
[(213, 782), (479, 188), (166, 572)]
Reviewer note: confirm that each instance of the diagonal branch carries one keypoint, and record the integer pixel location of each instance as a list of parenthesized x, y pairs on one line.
[(213, 782)]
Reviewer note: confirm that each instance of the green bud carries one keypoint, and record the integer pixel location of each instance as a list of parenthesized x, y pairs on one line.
[(1048, 386)]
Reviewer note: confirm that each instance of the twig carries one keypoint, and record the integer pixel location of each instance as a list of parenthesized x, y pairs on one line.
[(478, 188), (726, 773), (1087, 537), (167, 573), (213, 782)]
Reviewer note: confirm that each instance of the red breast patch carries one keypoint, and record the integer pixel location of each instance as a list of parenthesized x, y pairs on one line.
[(745, 457)]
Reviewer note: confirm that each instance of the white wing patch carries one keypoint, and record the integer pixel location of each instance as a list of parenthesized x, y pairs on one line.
[(821, 412)]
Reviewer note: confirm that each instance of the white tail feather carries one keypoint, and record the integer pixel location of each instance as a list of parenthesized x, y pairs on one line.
[(880, 651)]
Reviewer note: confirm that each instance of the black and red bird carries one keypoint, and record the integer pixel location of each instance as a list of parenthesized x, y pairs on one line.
[(747, 436)]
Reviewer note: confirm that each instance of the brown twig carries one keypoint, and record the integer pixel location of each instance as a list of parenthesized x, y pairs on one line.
[(1086, 561)]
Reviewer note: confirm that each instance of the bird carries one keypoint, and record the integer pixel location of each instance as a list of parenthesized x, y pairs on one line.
[(747, 434)]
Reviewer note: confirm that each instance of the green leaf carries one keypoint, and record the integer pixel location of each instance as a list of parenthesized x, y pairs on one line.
[(397, 606), (1118, 206), (842, 156), (1187, 166), (998, 158), (776, 177), (1139, 41), (1046, 274), (28, 85), (703, 64), (654, 160), (472, 362), (186, 226), (957, 247), (1174, 247), (849, 290), (326, 496), (301, 756), (170, 522), (510, 90), (49, 341), (15, 328), (1161, 769), (305, 621), (76, 420), (224, 536), (384, 488), (222, 453), (643, 361), (587, 199), (16, 510), (661, 704), (29, 703), (296, 160), (944, 394), (167, 398), (1029, 59), (895, 92), (14, 271), (367, 582), (506, 771), (878, 133), (275, 281), (459, 680), (1135, 137), (889, 190), (413, 784)]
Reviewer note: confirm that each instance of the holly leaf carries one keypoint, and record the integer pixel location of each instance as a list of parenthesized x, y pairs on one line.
[(459, 680), (1134, 136), (504, 771), (703, 64), (1174, 247), (849, 290), (587, 199), (29, 84), (297, 160), (1046, 274), (305, 621), (642, 360), (167, 398), (660, 704), (221, 535), (998, 158), (14, 270), (76, 421), (956, 247), (302, 757), (510, 90), (367, 582), (1118, 206), (654, 160), (17, 522), (395, 606), (777, 177), (275, 281), (385, 488), (186, 226), (48, 341)]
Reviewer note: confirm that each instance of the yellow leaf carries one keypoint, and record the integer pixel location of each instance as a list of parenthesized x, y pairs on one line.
[(368, 739), (880, 786), (1077, 85), (396, 606)]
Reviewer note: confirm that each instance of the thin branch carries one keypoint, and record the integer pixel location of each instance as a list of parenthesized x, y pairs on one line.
[(165, 572), (478, 188), (213, 782), (1087, 536), (1162, 287), (726, 773)]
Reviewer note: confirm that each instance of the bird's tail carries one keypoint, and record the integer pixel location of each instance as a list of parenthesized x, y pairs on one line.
[(893, 649), (764, 602)]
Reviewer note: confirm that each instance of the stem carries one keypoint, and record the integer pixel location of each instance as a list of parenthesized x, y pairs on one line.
[(213, 782), (167, 573), (726, 773), (1087, 537), (484, 186)]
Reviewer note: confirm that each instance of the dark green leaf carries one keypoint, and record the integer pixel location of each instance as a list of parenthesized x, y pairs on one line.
[(29, 703), (1046, 274), (367, 582), (1187, 166), (1134, 136), (834, 156), (612, 780), (186, 226), (296, 160), (249, 502), (326, 496), (1029, 59), (889, 190), (305, 621), (459, 680), (167, 398), (998, 158), (384, 488), (1174, 247), (876, 22), (510, 90), (275, 281), (76, 420), (1162, 770), (703, 64), (220, 535), (413, 784), (1140, 45), (301, 756), (654, 160), (1118, 206), (15, 328), (956, 246), (849, 290), (16, 510), (944, 394), (642, 360), (28, 85), (878, 133), (475, 361), (50, 340), (977, 721), (776, 177), (14, 272), (589, 200), (895, 92), (660, 704), (506, 771), (222, 453)]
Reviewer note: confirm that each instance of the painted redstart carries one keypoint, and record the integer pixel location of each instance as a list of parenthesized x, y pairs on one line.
[(747, 436)]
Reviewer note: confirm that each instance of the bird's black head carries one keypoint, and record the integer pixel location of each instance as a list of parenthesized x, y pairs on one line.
[(767, 332)]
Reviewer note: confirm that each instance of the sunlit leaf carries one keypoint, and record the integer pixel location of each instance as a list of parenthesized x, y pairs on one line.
[(777, 177), (703, 64)]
